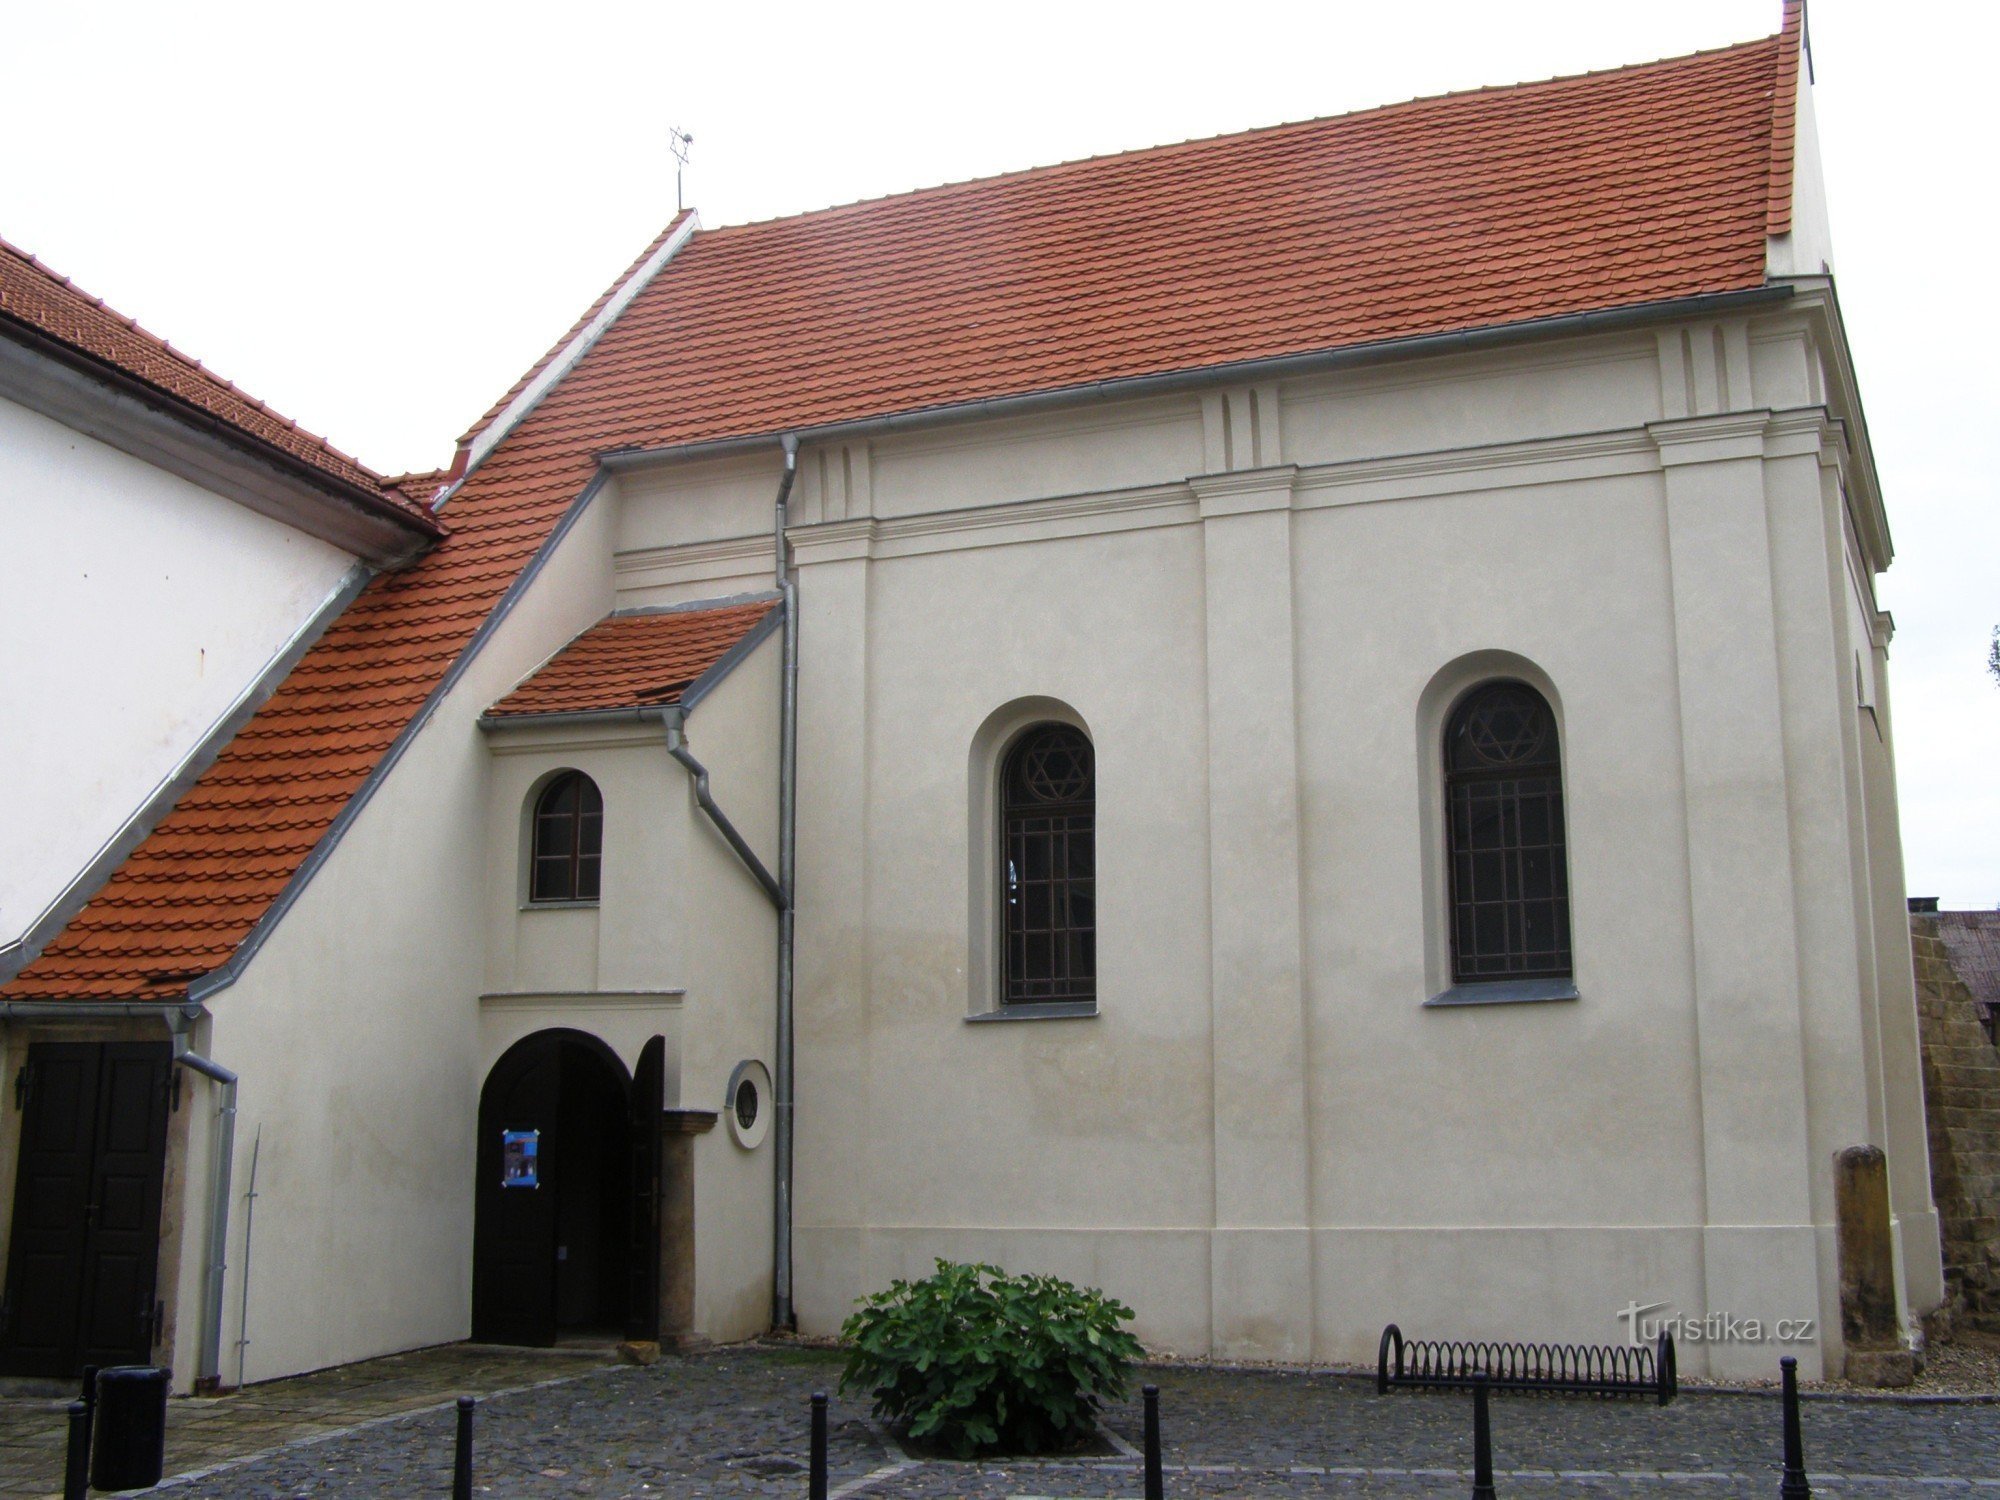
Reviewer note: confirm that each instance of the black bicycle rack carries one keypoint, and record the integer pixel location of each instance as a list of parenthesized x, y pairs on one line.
[(1542, 1369)]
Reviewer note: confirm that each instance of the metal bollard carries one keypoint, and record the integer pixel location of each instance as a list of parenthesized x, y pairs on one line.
[(816, 1480), (1156, 1487), (89, 1399), (461, 1468), (1482, 1441), (1793, 1486), (76, 1465)]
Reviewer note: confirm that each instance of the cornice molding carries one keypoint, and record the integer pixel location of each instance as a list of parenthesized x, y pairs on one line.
[(550, 735), (1494, 466), (1711, 439), (693, 562), (1245, 491), (1614, 453), (668, 999), (831, 541)]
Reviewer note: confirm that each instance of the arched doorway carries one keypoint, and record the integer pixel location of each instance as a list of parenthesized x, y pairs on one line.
[(554, 1232)]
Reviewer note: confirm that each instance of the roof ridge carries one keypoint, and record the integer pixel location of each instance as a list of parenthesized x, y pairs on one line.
[(598, 304), (1167, 147), (186, 360), (1784, 120)]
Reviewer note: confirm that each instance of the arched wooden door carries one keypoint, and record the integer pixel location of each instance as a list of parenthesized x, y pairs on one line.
[(553, 1207)]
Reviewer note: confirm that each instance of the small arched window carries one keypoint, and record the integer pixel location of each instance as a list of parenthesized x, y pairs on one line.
[(1504, 812), (568, 840), (1048, 867)]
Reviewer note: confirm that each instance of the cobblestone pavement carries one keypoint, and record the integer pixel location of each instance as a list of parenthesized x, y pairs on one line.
[(281, 1412), (731, 1424)]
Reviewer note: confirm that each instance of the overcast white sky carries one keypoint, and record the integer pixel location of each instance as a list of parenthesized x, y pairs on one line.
[(374, 216)]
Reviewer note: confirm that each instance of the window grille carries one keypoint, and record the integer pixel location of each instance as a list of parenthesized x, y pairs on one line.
[(1048, 863), (1504, 805)]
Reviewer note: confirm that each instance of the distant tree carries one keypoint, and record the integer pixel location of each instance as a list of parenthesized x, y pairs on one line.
[(1993, 655)]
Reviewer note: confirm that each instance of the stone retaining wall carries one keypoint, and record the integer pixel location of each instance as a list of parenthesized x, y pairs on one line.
[(1962, 1101)]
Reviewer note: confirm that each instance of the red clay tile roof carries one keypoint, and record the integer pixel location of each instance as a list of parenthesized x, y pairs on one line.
[(419, 489), (37, 299), (1603, 191), (1465, 211), (633, 661)]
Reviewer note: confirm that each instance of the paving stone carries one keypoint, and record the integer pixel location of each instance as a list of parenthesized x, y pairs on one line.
[(732, 1425)]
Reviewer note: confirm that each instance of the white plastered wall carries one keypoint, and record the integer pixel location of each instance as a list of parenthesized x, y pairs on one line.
[(138, 607), (356, 1032), (1625, 514)]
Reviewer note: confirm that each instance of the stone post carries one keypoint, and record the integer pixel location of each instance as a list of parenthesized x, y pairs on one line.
[(1869, 1323)]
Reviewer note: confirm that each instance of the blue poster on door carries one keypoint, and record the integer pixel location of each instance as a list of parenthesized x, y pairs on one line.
[(519, 1150)]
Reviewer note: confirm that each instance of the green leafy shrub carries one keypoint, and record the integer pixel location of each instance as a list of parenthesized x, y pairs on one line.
[(972, 1358)]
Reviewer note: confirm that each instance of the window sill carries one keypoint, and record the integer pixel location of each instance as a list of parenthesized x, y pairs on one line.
[(1047, 1010), (559, 905), (1505, 992)]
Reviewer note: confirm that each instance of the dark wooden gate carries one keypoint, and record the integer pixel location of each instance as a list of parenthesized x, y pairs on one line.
[(642, 1316), (84, 1247)]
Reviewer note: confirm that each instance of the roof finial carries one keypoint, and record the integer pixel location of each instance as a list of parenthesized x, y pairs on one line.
[(678, 142)]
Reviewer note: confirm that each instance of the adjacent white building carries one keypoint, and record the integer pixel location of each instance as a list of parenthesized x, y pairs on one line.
[(170, 544)]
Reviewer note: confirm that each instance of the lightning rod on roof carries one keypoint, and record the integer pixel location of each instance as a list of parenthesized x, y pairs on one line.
[(678, 142)]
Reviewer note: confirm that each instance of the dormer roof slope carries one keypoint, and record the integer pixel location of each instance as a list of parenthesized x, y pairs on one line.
[(644, 659)]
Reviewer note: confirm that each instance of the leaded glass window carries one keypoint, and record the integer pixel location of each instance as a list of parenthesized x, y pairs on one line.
[(568, 840), (1504, 807), (1048, 866)]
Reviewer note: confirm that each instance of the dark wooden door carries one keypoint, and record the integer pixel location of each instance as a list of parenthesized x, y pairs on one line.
[(642, 1315), (84, 1247), (514, 1229)]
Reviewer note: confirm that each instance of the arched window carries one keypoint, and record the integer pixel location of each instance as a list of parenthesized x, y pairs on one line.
[(568, 840), (1504, 812), (1048, 867)]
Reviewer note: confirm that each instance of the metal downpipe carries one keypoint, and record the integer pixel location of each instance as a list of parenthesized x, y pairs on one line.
[(783, 1314), (208, 1371), (677, 748)]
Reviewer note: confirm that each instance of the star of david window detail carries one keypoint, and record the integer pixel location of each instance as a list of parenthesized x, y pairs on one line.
[(1048, 866), (1507, 839), (1507, 726), (1055, 767)]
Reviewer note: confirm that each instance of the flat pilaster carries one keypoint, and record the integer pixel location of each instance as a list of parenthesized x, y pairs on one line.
[(1261, 1262), (1750, 1052), (831, 979)]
